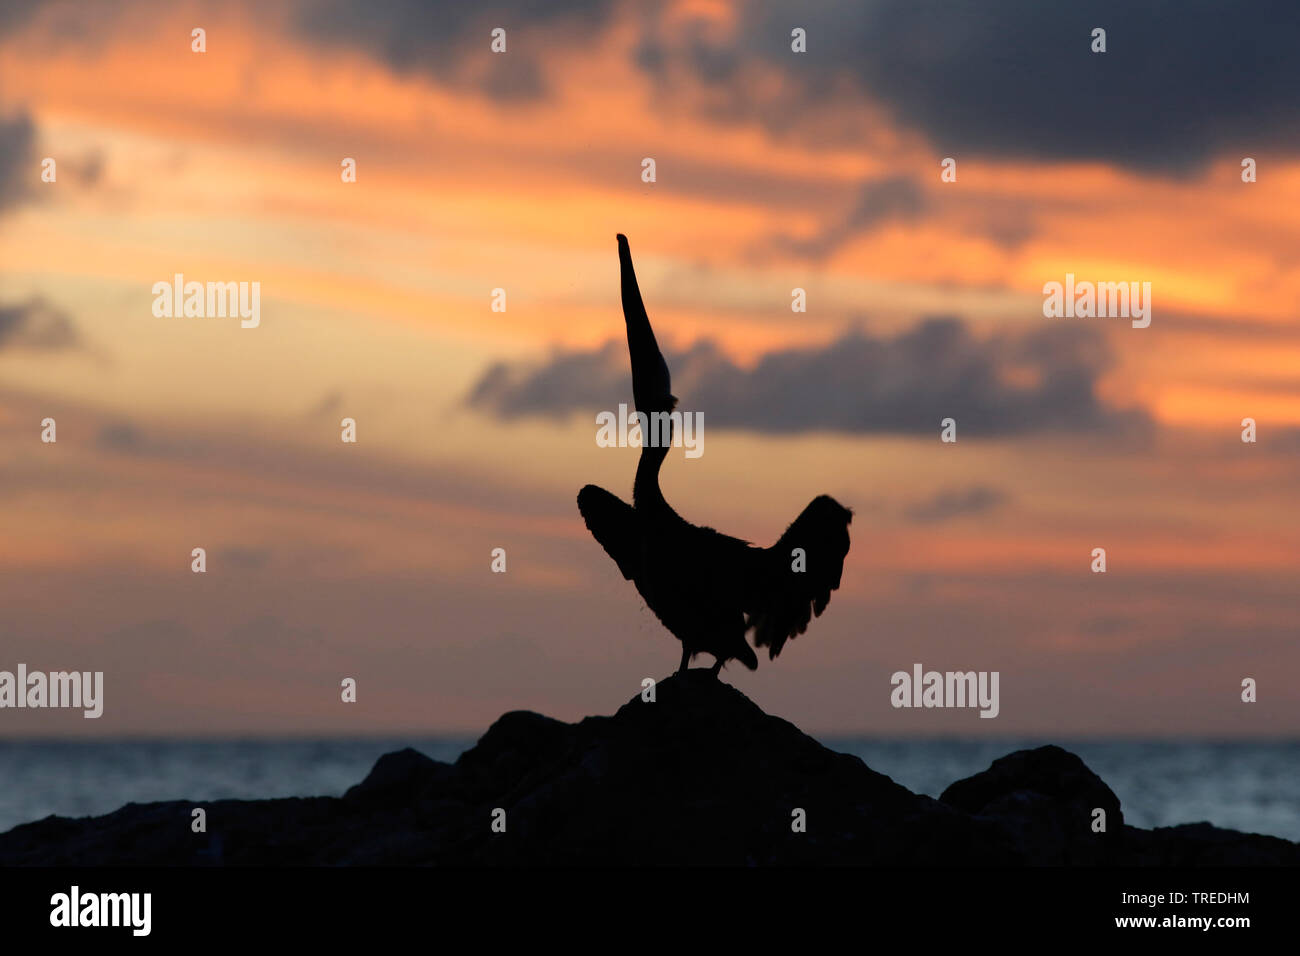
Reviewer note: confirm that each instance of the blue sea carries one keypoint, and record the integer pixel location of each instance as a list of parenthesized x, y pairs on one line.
[(1244, 785)]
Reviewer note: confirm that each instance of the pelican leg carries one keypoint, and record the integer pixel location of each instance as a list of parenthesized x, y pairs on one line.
[(686, 660)]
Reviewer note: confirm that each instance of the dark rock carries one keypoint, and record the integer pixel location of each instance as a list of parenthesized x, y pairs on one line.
[(700, 776), (1200, 844), (1046, 801), (399, 775)]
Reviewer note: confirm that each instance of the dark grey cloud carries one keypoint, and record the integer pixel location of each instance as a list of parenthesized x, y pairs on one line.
[(566, 382), (35, 324), (1010, 383), (63, 23), (248, 559), (17, 159), (1180, 82), (1006, 221), (20, 167), (892, 199), (330, 404), (1285, 440), (86, 170), (14, 14), (896, 197), (448, 40), (955, 503), (121, 437)]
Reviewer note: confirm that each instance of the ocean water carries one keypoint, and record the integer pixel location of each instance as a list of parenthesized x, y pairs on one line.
[(1244, 785)]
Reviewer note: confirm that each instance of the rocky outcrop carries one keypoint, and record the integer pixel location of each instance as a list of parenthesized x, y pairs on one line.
[(699, 776)]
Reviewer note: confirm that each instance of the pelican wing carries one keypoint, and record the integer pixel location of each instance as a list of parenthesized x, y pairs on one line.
[(794, 578), (612, 522)]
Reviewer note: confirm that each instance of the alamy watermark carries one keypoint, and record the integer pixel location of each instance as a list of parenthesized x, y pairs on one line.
[(675, 428), (37, 689), (212, 300), (946, 689), (1107, 300), (75, 908)]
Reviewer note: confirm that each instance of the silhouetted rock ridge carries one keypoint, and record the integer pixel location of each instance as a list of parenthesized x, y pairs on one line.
[(699, 776)]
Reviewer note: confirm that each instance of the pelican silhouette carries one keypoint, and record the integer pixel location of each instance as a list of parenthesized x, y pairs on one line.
[(707, 588)]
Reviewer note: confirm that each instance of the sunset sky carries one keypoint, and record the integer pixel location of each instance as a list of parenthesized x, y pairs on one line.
[(775, 170)]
